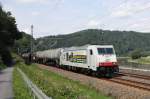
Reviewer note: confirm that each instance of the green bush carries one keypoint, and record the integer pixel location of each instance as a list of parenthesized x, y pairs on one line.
[(136, 54), (2, 66)]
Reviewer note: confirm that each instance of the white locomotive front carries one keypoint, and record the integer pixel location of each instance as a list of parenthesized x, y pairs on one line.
[(99, 58)]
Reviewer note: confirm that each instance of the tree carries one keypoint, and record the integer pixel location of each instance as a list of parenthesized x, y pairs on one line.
[(23, 45), (8, 34)]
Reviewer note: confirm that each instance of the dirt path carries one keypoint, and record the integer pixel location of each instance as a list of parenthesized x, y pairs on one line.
[(6, 91)]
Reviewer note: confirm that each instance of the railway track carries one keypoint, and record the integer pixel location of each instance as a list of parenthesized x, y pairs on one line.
[(135, 75), (135, 84)]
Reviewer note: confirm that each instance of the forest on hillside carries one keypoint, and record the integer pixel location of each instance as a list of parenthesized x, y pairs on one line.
[(123, 41)]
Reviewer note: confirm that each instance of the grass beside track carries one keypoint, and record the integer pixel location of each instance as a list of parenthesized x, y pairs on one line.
[(142, 60), (59, 87), (19, 86)]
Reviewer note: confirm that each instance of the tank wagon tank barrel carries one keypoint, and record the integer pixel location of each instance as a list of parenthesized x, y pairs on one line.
[(50, 56), (52, 53)]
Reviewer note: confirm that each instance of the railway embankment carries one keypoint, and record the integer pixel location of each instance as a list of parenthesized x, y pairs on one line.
[(58, 86)]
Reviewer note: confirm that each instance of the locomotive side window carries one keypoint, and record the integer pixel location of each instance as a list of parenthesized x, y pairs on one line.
[(64, 56), (91, 52), (67, 56)]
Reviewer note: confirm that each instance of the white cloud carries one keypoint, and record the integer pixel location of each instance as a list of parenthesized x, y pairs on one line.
[(40, 1), (92, 23), (32, 1), (121, 14), (135, 25), (8, 8), (26, 30), (140, 25), (131, 8), (35, 13)]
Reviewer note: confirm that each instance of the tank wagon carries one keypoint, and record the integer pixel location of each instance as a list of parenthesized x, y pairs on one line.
[(50, 57), (89, 58)]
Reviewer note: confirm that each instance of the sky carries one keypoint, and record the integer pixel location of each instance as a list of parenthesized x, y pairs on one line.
[(53, 17)]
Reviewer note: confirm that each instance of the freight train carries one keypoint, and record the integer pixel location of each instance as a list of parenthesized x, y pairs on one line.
[(100, 59)]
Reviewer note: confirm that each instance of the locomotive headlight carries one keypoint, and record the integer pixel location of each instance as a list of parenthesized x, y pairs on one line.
[(114, 63)]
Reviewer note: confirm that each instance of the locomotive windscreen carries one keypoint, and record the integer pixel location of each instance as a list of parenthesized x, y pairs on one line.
[(105, 51)]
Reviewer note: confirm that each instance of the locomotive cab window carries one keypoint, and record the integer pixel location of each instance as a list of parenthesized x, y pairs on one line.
[(109, 51), (105, 50)]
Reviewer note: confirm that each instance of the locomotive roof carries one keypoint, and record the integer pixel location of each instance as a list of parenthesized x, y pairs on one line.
[(85, 47)]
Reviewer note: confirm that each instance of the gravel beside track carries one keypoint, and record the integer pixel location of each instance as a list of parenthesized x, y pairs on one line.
[(118, 91)]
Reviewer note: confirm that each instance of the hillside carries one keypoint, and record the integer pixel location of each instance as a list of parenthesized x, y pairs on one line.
[(124, 41)]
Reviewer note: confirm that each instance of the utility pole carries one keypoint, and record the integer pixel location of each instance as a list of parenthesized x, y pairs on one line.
[(31, 38), (102, 37), (31, 46)]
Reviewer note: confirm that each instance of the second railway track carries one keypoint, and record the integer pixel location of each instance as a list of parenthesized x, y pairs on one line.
[(135, 75), (132, 83)]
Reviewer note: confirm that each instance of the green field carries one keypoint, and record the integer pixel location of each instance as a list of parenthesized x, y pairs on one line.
[(59, 87)]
